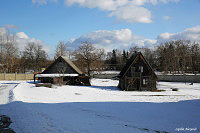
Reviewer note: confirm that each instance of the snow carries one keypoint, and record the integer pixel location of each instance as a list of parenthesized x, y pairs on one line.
[(55, 75), (177, 73), (106, 72), (6, 92), (102, 108)]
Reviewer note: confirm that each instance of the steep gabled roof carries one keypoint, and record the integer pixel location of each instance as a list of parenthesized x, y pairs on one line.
[(72, 65), (65, 59), (130, 62)]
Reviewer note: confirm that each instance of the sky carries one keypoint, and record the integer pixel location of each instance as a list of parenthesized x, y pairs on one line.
[(108, 24)]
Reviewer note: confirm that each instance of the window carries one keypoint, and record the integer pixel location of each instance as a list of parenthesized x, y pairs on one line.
[(141, 68), (145, 81)]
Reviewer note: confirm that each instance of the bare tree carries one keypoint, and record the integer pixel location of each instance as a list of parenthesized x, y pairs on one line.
[(179, 56), (88, 55), (33, 57), (40, 57), (61, 49), (9, 52)]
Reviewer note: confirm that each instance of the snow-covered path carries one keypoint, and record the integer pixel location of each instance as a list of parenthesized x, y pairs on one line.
[(102, 108), (6, 92)]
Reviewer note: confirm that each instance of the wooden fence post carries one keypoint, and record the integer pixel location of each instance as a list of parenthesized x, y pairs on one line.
[(4, 76), (15, 75)]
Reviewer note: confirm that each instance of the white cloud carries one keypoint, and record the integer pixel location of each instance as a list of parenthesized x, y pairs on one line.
[(165, 36), (192, 34), (22, 35), (2, 31), (132, 14), (166, 1), (166, 17), (42, 2), (124, 38), (149, 43), (132, 11), (101, 4), (22, 39), (114, 39)]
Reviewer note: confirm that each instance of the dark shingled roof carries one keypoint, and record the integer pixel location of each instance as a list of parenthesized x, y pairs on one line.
[(71, 64), (130, 61)]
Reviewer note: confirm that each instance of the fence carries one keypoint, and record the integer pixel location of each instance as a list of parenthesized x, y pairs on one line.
[(169, 78), (16, 76), (179, 78), (104, 76)]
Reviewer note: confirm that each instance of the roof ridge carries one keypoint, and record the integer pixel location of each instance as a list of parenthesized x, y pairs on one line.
[(71, 64)]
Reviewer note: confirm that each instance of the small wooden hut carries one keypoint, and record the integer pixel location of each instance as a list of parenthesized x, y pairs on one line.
[(137, 74), (63, 71)]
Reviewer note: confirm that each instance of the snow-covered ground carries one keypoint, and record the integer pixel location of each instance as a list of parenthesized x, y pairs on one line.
[(6, 92), (102, 108), (106, 72)]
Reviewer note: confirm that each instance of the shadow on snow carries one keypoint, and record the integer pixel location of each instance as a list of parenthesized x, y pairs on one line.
[(112, 117), (114, 88)]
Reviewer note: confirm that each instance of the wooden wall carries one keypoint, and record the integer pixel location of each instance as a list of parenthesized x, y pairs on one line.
[(16, 76)]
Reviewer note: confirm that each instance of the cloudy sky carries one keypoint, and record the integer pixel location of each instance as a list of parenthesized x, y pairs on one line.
[(109, 24)]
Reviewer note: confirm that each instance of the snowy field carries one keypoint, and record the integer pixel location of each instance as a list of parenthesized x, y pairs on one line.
[(100, 108)]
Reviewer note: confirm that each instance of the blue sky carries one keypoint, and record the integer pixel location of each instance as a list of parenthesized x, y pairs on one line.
[(53, 20)]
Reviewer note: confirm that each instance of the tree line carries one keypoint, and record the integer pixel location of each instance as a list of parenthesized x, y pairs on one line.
[(30, 59), (179, 56), (170, 57)]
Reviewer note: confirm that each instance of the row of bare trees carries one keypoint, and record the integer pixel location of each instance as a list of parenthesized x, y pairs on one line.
[(170, 57), (8, 52), (12, 59), (89, 58), (178, 57), (173, 57), (33, 57)]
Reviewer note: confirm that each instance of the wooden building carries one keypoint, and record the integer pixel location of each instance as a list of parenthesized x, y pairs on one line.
[(137, 74), (63, 71)]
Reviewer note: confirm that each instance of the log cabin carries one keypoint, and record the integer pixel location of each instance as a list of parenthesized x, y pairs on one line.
[(137, 75), (63, 71)]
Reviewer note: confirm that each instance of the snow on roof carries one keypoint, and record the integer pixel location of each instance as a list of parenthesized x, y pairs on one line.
[(55, 75)]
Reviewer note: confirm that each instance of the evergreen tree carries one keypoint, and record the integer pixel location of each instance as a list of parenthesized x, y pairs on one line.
[(114, 57), (124, 57)]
